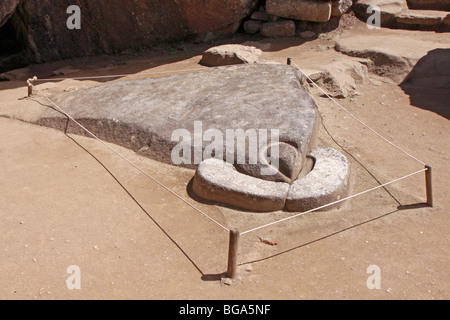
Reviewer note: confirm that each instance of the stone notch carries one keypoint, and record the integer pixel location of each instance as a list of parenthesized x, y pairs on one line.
[(326, 183), (218, 181)]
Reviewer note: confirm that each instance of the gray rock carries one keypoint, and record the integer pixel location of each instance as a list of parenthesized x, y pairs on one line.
[(306, 10), (284, 28), (326, 183), (230, 54), (216, 180), (144, 115)]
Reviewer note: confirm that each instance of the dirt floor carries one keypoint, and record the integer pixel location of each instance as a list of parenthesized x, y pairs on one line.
[(68, 200)]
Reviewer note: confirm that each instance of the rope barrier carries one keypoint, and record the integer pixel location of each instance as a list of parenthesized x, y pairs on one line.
[(122, 75), (357, 119), (333, 203), (129, 162), (291, 62)]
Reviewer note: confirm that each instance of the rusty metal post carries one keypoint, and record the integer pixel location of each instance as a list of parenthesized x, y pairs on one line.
[(233, 254), (289, 61), (429, 183)]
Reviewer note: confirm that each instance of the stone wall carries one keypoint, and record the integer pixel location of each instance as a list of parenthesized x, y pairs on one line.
[(278, 18)]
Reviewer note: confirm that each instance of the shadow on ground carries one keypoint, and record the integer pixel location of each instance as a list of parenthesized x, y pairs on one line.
[(428, 84)]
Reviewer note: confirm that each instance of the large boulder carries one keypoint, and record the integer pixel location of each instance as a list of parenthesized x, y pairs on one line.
[(249, 104), (7, 8), (307, 10), (116, 25), (203, 16), (230, 54)]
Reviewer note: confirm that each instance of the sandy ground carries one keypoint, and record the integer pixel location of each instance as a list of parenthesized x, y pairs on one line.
[(67, 200)]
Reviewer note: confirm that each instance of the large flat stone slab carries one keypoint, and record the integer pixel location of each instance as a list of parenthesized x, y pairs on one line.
[(398, 14), (143, 115), (393, 55)]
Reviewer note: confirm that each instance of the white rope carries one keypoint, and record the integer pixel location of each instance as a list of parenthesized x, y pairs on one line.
[(129, 162), (123, 75), (333, 203), (354, 117)]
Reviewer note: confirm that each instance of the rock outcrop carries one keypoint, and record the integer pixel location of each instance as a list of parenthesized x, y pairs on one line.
[(115, 25), (7, 8)]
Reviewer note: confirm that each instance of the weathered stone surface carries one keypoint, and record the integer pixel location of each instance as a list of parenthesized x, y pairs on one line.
[(307, 10), (308, 34), (396, 14), (393, 56), (326, 183), (216, 180), (446, 20), (213, 15), (7, 8), (142, 115), (339, 7), (429, 4), (230, 54), (283, 28), (260, 15), (252, 26), (116, 25), (341, 78), (421, 18)]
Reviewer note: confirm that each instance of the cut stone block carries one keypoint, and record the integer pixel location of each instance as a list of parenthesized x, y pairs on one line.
[(326, 183), (306, 10), (284, 28), (252, 26), (216, 180)]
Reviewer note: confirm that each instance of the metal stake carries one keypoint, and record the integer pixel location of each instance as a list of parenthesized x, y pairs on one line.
[(429, 182), (233, 254)]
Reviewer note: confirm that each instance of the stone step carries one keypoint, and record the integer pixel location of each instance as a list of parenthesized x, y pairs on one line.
[(396, 14), (442, 5)]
